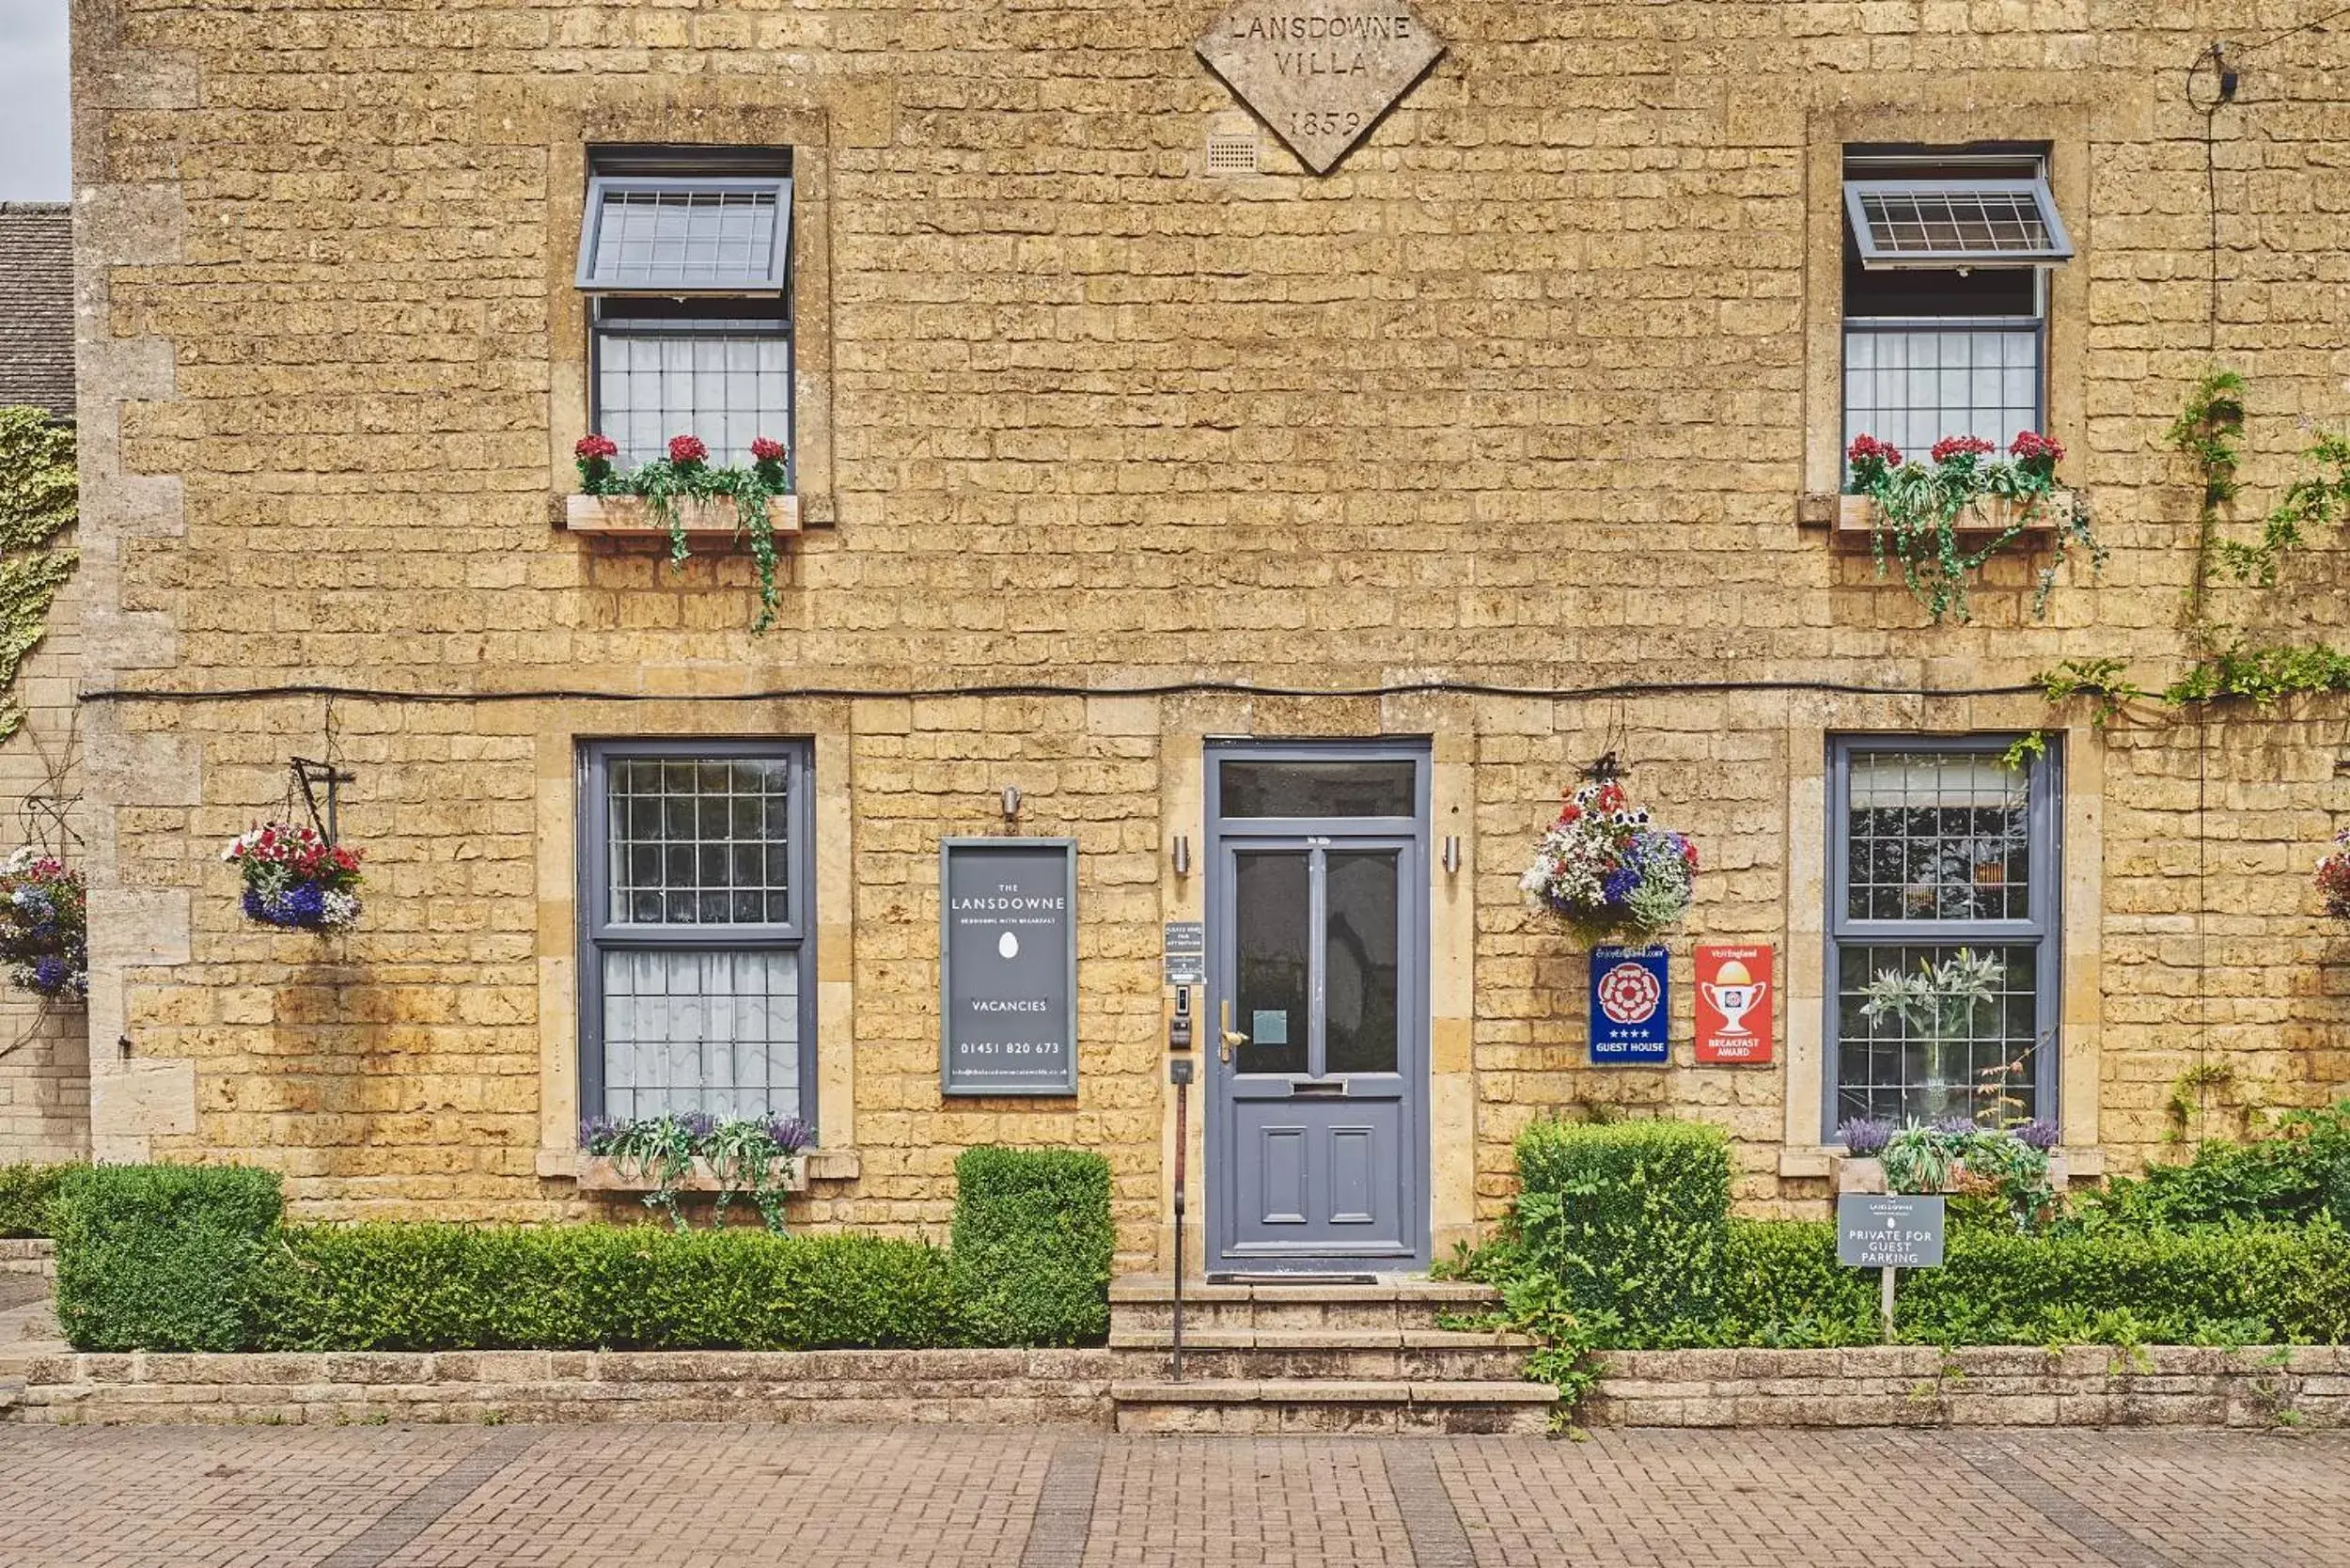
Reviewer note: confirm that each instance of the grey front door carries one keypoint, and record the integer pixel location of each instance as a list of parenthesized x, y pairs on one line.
[(1317, 1139)]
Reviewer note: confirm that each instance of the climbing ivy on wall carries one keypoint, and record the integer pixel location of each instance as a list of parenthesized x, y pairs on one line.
[(38, 495)]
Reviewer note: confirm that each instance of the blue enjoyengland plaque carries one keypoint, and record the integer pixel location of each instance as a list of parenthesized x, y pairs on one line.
[(1631, 1021)]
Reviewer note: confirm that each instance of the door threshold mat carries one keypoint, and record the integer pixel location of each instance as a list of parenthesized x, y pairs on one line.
[(1293, 1279)]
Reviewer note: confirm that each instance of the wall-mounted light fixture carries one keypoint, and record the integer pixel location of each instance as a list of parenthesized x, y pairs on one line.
[(1183, 854), (1451, 854), (1011, 802)]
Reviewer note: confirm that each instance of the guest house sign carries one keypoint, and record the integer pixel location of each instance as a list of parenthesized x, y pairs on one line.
[(1008, 967), (1320, 73)]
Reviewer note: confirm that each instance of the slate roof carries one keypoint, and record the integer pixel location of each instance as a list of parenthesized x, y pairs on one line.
[(37, 306)]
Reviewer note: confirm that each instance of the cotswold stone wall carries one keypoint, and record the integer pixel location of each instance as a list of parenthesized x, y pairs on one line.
[(1526, 393)]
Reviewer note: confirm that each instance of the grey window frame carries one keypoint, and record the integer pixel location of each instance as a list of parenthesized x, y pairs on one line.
[(2043, 927), (600, 933), (602, 186), (2060, 248)]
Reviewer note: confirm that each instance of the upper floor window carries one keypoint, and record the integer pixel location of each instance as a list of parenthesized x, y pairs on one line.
[(1946, 260), (686, 257), (1942, 931)]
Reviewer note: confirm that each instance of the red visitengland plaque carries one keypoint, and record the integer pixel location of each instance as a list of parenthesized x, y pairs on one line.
[(1734, 1004)]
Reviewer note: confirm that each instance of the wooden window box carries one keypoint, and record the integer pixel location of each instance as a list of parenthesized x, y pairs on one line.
[(1857, 1174), (1848, 516), (599, 1173), (630, 517)]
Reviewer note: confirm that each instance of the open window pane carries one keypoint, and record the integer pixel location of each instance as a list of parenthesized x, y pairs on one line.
[(1955, 223), (714, 235)]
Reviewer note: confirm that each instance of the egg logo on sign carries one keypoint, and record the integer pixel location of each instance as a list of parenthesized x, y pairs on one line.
[(1008, 945), (1734, 992)]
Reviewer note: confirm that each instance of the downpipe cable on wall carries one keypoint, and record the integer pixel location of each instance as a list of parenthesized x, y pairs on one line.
[(1195, 687)]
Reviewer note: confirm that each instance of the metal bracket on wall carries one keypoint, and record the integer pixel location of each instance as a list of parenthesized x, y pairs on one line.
[(308, 775)]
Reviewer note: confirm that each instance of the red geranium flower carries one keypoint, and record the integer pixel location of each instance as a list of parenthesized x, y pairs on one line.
[(687, 448), (2032, 447), (596, 448), (1961, 445), (764, 450), (1865, 448)]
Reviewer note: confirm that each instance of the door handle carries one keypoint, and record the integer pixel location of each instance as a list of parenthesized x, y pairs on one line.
[(1227, 1037)]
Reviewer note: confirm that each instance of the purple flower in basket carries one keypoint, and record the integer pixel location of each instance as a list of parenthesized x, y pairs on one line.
[(2040, 1132), (789, 1134), (699, 1125), (1955, 1126), (1864, 1137), (1618, 884), (596, 1134)]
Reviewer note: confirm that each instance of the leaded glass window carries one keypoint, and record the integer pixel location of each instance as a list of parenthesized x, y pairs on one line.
[(1942, 920), (697, 995)]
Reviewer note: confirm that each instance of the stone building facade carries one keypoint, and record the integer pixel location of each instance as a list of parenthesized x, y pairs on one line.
[(1121, 440)]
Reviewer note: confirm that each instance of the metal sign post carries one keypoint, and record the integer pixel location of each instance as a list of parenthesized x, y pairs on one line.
[(1179, 1074)]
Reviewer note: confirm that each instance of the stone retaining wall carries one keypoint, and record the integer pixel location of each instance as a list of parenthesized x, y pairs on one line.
[(1893, 1386), (1994, 1386), (30, 1257), (988, 1387)]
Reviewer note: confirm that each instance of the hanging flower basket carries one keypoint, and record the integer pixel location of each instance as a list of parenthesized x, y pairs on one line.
[(295, 879), (2333, 877), (1607, 871), (44, 925)]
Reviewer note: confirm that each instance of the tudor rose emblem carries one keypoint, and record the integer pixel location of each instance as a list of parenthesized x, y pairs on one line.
[(1320, 73)]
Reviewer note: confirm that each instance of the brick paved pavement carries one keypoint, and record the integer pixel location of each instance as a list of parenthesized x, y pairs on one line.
[(942, 1498)]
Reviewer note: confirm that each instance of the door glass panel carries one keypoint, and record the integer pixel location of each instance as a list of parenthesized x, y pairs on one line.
[(1361, 971), (1272, 904), (1383, 788)]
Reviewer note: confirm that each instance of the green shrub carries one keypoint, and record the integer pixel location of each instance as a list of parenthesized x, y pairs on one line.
[(640, 1287), (26, 1195), (2245, 1286), (1032, 1243), (163, 1257), (2300, 1169), (1630, 1217)]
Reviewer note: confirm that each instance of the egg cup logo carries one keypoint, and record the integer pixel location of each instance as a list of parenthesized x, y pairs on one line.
[(1733, 993), (1628, 993)]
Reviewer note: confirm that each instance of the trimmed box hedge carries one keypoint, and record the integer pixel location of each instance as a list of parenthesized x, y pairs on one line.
[(164, 1257), (1626, 1227), (1628, 1217), (27, 1195), (183, 1258), (584, 1287), (1031, 1245)]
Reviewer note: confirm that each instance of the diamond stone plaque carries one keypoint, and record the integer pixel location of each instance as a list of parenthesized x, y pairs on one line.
[(1320, 73)]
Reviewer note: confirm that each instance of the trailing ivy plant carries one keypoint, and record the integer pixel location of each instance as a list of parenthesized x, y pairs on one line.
[(685, 474), (38, 503), (751, 1156), (2209, 433), (1916, 512), (2263, 674)]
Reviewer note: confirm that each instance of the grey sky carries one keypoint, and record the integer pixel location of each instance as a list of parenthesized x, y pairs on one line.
[(33, 130)]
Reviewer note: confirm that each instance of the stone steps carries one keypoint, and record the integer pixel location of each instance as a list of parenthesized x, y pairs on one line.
[(1148, 1301), (1354, 1355), (1315, 1356), (1331, 1405)]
